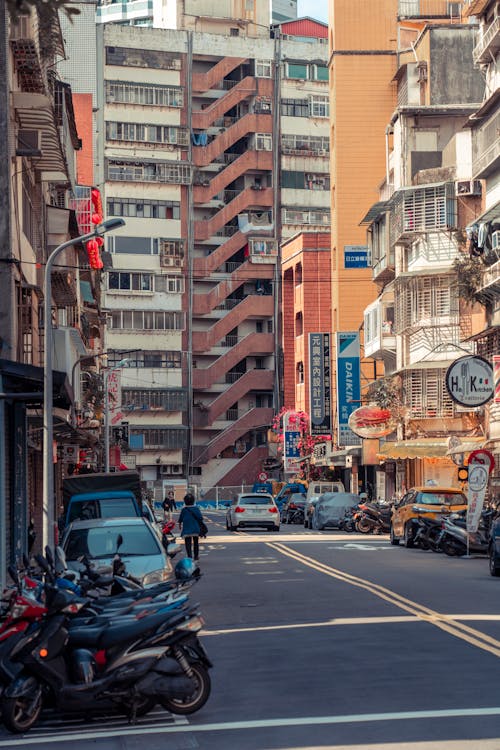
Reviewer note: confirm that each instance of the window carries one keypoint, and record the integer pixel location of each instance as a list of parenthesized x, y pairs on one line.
[(300, 372), (263, 68), (130, 282), (143, 208), (298, 274), (158, 359), (299, 216), (299, 324), (169, 438), (320, 106), (136, 132), (127, 92), (143, 171), (234, 32), (142, 58), (295, 107), (147, 320), (305, 181), (305, 145), (155, 399), (169, 284), (298, 71), (132, 245), (320, 72), (263, 142)]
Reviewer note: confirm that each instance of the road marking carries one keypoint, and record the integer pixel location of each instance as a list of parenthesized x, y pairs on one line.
[(341, 621), (229, 726), (464, 632)]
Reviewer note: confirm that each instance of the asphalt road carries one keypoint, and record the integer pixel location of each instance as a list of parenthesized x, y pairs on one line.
[(327, 640)]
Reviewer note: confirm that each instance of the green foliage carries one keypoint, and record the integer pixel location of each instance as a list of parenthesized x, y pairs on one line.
[(469, 277)]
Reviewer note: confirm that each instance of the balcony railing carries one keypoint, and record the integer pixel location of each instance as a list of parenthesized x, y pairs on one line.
[(233, 377), (429, 9), (488, 46), (486, 146), (429, 208)]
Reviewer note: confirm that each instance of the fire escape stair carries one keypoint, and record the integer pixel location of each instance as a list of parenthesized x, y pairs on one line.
[(253, 419), (252, 380), (205, 266), (205, 81), (205, 303), (249, 466), (249, 123), (255, 344), (203, 118), (248, 198), (252, 306)]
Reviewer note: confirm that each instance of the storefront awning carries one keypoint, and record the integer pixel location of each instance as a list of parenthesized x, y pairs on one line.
[(421, 448), (467, 445)]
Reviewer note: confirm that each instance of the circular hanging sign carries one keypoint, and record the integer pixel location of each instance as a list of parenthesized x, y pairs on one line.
[(469, 381), (262, 476), (371, 421), (484, 457)]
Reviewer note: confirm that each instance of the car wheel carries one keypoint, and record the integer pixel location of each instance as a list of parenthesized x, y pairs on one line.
[(276, 529), (393, 539), (227, 525), (408, 536), (494, 568)]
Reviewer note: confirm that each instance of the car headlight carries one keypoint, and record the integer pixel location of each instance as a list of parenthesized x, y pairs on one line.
[(156, 576)]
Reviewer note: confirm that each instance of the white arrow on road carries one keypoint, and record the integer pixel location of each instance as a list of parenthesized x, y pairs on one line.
[(359, 546)]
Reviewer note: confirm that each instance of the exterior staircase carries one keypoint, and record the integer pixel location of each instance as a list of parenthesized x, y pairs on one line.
[(252, 344), (205, 303), (252, 306), (205, 81), (249, 123), (245, 200), (258, 417)]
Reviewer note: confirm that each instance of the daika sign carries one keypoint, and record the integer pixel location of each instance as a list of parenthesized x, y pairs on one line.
[(348, 384)]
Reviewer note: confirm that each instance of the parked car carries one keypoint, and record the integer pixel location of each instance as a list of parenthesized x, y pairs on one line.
[(253, 510), (140, 549), (494, 548), (293, 508), (331, 508), (311, 501), (433, 501)]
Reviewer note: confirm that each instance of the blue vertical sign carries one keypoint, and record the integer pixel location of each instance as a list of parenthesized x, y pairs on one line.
[(348, 384), (291, 434), (319, 383)]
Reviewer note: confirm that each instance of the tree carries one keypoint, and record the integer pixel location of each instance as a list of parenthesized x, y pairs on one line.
[(46, 9)]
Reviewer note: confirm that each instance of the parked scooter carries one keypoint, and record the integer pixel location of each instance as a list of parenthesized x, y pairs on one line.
[(373, 518), (426, 532), (455, 540), (348, 522), (129, 664)]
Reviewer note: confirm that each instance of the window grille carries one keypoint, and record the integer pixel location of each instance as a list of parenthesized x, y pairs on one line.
[(157, 359), (157, 172), (127, 92), (147, 320), (155, 398), (129, 57), (166, 438), (422, 209), (143, 208), (426, 299), (136, 132), (130, 282), (297, 216), (305, 144), (426, 394)]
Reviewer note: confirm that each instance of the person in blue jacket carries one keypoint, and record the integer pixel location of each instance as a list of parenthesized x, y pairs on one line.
[(189, 523)]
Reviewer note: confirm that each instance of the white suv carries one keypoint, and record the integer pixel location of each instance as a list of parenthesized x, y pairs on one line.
[(253, 510)]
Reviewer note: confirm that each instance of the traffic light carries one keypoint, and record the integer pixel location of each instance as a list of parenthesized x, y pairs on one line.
[(463, 473)]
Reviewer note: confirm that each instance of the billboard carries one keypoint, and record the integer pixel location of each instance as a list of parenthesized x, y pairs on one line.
[(348, 384), (319, 384), (291, 436)]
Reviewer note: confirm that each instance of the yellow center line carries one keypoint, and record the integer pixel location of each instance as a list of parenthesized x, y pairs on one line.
[(460, 630)]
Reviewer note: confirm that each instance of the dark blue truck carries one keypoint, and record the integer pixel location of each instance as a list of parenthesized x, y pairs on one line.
[(113, 495)]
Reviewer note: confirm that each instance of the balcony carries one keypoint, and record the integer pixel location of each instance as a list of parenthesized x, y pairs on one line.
[(380, 339), (488, 46), (384, 268), (490, 287), (486, 147), (423, 209), (429, 9)]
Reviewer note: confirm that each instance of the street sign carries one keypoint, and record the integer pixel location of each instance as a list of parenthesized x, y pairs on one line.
[(483, 457), (469, 381), (262, 476)]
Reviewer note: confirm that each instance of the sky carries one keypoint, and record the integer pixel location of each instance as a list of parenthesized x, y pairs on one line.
[(313, 8)]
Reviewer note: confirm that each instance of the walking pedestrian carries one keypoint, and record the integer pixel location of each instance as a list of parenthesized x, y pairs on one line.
[(169, 505), (190, 521)]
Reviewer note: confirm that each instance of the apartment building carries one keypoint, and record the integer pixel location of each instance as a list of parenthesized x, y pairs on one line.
[(419, 324), (37, 174), (192, 302)]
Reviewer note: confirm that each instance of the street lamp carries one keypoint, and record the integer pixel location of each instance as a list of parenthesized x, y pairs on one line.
[(48, 424), (107, 373)]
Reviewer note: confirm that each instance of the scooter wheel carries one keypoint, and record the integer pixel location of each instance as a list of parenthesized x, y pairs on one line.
[(20, 714), (200, 695), (364, 527)]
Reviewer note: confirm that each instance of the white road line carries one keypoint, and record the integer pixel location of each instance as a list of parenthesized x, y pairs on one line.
[(265, 724), (344, 621)]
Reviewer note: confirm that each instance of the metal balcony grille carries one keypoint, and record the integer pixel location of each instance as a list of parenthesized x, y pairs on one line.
[(425, 301), (426, 394), (428, 208)]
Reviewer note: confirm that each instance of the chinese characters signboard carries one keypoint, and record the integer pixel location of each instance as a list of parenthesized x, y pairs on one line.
[(291, 434), (319, 384), (356, 256), (348, 384)]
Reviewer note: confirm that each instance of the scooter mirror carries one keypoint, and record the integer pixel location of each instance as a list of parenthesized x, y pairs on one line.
[(119, 542), (173, 549), (42, 563), (60, 560), (13, 574), (26, 560)]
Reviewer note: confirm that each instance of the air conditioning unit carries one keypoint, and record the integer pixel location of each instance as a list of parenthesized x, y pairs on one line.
[(322, 152), (468, 187), (495, 240), (171, 469), (29, 143), (169, 260)]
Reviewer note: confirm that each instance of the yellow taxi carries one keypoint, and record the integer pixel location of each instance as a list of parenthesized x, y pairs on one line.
[(433, 501)]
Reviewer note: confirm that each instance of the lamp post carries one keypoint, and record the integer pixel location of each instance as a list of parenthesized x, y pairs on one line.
[(107, 373), (48, 425)]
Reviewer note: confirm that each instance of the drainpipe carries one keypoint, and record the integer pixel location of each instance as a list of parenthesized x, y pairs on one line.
[(190, 252), (277, 215)]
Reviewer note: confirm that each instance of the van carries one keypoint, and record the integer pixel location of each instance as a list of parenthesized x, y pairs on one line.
[(318, 488)]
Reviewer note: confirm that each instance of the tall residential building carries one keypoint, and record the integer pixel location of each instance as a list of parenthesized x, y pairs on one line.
[(188, 122)]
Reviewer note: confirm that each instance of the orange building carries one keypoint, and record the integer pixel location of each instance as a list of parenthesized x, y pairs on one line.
[(306, 308), (363, 63)]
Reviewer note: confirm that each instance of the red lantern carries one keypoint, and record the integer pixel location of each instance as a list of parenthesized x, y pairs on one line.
[(96, 218), (99, 241)]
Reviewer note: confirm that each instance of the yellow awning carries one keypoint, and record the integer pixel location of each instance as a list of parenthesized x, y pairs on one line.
[(421, 448)]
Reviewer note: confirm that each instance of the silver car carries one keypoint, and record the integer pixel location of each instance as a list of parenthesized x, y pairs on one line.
[(253, 510), (140, 549)]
